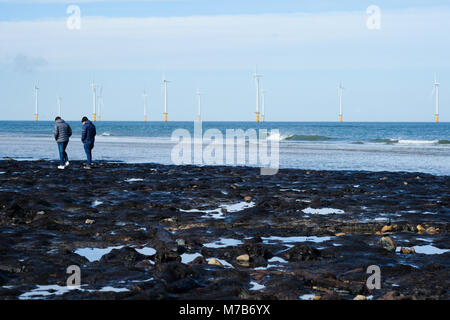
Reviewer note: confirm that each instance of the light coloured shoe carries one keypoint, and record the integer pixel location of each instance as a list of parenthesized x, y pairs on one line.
[(61, 167), (87, 167), (67, 163)]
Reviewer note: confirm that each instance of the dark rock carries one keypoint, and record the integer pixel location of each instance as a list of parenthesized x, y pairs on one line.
[(301, 253)]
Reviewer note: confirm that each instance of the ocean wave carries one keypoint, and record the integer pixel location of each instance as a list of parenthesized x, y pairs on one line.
[(417, 141), (106, 134), (410, 141), (383, 140), (302, 137)]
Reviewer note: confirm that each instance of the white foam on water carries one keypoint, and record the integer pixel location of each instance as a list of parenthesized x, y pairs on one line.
[(134, 180), (2, 172), (189, 257), (296, 239), (95, 254), (418, 141), (223, 243), (256, 286), (307, 296), (323, 211), (146, 251)]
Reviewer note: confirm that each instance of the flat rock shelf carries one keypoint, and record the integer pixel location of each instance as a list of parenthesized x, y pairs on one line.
[(149, 231)]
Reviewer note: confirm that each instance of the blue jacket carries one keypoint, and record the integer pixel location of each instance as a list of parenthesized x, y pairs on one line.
[(89, 132)]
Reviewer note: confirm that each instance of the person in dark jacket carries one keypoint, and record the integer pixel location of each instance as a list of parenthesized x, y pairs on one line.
[(62, 132), (88, 139)]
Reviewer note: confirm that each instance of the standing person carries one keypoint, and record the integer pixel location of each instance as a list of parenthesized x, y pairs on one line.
[(62, 133), (88, 139)]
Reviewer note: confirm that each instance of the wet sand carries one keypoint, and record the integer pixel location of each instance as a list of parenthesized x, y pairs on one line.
[(148, 231)]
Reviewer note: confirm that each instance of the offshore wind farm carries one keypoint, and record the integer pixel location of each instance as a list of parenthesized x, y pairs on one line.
[(335, 145), (97, 102)]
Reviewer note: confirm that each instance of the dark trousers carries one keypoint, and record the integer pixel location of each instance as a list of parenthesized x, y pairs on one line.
[(88, 146), (63, 158)]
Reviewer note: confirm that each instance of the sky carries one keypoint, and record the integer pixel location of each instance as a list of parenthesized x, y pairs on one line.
[(386, 61)]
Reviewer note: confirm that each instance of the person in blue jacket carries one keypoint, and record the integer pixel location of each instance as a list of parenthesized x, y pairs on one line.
[(88, 139)]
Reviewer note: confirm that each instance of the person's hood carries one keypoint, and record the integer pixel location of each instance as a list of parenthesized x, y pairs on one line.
[(88, 122), (60, 121)]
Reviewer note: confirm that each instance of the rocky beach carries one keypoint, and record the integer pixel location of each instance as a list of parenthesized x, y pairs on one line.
[(149, 231)]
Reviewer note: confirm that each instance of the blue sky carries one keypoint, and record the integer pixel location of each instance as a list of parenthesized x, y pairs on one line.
[(303, 49)]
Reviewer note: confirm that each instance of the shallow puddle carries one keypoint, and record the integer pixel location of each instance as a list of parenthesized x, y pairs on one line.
[(223, 243), (322, 211)]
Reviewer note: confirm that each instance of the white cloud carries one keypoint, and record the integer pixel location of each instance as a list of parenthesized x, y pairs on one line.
[(328, 40)]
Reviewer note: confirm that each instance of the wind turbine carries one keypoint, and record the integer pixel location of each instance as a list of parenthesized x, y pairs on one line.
[(263, 107), (199, 95), (36, 105), (257, 76), (340, 92), (58, 100), (94, 100), (436, 89), (165, 82), (145, 95), (99, 103)]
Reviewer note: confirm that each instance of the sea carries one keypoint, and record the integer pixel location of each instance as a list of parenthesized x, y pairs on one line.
[(367, 146)]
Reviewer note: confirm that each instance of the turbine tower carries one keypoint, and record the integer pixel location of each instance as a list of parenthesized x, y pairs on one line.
[(165, 81), (257, 76), (340, 92), (99, 102), (263, 107), (58, 100), (36, 106), (145, 95), (94, 100), (199, 105), (436, 89)]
